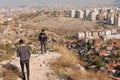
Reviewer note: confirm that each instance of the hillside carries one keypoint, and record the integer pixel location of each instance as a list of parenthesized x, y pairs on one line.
[(39, 66), (60, 25), (58, 62), (116, 3)]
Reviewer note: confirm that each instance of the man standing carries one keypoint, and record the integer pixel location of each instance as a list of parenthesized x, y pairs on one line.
[(43, 39), (24, 53)]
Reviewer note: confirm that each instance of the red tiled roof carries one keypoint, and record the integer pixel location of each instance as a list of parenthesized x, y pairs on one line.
[(97, 45), (103, 52), (116, 51)]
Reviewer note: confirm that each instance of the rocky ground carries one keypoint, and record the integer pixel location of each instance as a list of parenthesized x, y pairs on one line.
[(39, 66)]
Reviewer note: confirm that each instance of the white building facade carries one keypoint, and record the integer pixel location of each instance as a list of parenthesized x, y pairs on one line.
[(72, 13)]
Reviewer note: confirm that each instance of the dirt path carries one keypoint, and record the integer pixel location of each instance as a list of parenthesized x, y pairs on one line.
[(39, 67)]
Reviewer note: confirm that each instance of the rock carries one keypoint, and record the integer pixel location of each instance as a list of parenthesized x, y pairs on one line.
[(81, 68), (1, 69), (4, 62), (19, 79), (12, 68)]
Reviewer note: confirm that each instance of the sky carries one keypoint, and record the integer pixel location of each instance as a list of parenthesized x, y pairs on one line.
[(7, 3)]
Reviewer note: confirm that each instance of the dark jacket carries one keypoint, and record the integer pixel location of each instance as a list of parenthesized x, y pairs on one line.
[(42, 37), (24, 53)]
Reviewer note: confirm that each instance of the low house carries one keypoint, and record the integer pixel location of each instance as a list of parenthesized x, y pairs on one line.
[(114, 31), (108, 32), (80, 35), (97, 44), (95, 33), (88, 34), (101, 33), (118, 31), (109, 47), (116, 52), (104, 53)]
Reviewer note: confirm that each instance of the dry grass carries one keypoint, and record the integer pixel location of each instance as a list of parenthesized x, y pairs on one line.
[(68, 58), (8, 75), (60, 25), (5, 56), (6, 51), (10, 72), (66, 66), (2, 46)]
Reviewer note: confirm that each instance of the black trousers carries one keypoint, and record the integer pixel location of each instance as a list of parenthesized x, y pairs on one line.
[(26, 63), (43, 47)]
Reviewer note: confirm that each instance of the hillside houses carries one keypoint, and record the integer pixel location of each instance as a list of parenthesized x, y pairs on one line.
[(96, 33)]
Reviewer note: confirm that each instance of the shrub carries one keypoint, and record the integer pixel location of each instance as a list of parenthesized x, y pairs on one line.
[(117, 48), (34, 51), (5, 56), (8, 48), (5, 23)]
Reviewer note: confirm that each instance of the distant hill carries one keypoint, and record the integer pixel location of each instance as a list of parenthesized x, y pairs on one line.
[(116, 3)]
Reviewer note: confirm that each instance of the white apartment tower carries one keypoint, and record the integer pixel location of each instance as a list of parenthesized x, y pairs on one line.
[(72, 13), (117, 20), (80, 14), (92, 16), (86, 12), (110, 17)]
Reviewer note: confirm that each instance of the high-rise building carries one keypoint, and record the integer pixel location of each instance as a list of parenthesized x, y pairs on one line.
[(86, 13), (72, 13), (117, 20), (92, 15), (110, 17), (80, 14)]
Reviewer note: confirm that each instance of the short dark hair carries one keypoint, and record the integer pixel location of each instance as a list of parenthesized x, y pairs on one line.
[(43, 30), (21, 41)]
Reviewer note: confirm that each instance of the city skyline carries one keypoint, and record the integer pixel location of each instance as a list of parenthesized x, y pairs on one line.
[(10, 3)]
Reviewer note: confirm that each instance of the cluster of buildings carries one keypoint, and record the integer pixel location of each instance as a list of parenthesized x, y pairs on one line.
[(109, 16), (7, 14), (99, 54), (97, 33)]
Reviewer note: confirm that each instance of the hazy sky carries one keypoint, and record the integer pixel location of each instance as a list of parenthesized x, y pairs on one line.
[(4, 3)]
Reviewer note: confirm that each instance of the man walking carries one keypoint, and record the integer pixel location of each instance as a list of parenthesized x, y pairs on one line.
[(24, 53), (43, 39)]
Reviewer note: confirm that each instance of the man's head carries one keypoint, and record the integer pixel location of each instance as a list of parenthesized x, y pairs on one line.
[(21, 41), (43, 30)]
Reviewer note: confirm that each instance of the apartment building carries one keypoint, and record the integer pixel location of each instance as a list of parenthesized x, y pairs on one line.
[(86, 13), (72, 13), (79, 14), (110, 17), (92, 15), (117, 20)]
